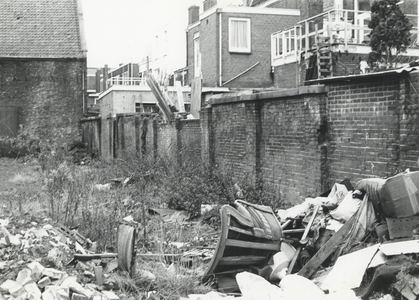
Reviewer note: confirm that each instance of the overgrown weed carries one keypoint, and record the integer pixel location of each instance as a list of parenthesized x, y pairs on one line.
[(71, 198)]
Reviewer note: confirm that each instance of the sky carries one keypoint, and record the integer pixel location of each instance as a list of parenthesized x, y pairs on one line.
[(118, 31)]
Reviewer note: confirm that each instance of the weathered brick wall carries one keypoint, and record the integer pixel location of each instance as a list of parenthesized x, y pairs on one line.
[(141, 134), (167, 143), (275, 141), (107, 138), (291, 149), (373, 127), (127, 135), (189, 139), (49, 94), (91, 129), (409, 122), (230, 129)]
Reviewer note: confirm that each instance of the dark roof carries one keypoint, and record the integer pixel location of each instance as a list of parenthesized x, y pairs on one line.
[(41, 29)]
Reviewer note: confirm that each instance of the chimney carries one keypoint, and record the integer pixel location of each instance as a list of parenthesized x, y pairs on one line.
[(105, 77), (193, 14), (209, 3)]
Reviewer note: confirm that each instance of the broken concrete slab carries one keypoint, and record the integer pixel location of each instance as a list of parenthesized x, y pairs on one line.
[(32, 289), (74, 286), (36, 269), (16, 290), (44, 282), (53, 273), (24, 277), (56, 293), (7, 285), (77, 296)]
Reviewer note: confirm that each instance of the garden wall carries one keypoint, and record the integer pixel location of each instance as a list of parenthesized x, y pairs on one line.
[(131, 134), (298, 141), (270, 139), (302, 141)]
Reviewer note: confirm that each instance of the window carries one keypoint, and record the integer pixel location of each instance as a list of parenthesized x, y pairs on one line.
[(239, 35)]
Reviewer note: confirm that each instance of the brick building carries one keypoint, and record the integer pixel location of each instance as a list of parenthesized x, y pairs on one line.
[(229, 46), (331, 39), (43, 69)]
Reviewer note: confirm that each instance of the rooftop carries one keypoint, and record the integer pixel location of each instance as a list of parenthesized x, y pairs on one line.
[(41, 29)]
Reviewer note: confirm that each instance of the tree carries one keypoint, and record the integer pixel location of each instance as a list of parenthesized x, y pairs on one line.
[(390, 32)]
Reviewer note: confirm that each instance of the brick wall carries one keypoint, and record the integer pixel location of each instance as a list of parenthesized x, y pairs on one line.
[(373, 127), (49, 96), (300, 141), (273, 139), (291, 155), (141, 134), (189, 139), (91, 129)]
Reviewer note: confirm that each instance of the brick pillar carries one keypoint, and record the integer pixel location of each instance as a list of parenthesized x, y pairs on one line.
[(253, 139), (207, 137), (179, 145)]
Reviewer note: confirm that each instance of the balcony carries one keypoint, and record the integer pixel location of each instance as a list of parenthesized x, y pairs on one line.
[(126, 81), (343, 30)]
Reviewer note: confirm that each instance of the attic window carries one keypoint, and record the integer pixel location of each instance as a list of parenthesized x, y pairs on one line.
[(239, 35)]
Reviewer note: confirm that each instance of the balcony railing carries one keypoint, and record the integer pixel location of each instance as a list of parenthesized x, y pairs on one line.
[(337, 27), (126, 81)]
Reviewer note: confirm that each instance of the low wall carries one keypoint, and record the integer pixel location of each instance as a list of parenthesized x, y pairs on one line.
[(298, 141)]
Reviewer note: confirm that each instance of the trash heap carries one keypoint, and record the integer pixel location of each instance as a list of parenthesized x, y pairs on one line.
[(37, 262), (348, 243)]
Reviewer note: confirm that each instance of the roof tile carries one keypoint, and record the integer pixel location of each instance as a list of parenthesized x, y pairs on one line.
[(40, 29)]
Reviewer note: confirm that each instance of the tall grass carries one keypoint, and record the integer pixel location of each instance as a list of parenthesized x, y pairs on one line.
[(156, 182)]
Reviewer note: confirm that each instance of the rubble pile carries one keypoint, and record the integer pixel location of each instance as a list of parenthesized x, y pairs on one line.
[(348, 243), (37, 262)]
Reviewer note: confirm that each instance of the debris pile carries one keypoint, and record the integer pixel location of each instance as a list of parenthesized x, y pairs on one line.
[(38, 262), (348, 243)]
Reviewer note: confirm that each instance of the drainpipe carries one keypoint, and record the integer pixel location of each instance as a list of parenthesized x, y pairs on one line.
[(220, 23)]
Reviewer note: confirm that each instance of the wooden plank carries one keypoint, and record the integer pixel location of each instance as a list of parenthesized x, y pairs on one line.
[(253, 245), (83, 257), (241, 260), (327, 249), (161, 100), (240, 230)]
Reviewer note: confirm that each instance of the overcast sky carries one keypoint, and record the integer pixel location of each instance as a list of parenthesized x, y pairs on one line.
[(117, 31)]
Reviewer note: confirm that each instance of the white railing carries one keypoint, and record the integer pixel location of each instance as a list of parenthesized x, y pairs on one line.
[(337, 27), (126, 81), (286, 45)]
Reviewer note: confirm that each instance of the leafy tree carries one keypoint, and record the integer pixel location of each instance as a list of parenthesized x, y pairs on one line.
[(390, 32)]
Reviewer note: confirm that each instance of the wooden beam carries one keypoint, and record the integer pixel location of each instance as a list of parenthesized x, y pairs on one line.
[(334, 243)]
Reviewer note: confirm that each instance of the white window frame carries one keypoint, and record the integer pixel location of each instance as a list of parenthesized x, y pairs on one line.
[(234, 48)]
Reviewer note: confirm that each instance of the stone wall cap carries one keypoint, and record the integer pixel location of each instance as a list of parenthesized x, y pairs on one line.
[(303, 90)]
